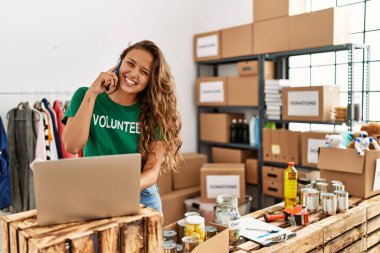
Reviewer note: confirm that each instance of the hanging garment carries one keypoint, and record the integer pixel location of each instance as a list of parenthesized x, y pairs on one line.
[(22, 142), (58, 110), (51, 139), (55, 129), (5, 180)]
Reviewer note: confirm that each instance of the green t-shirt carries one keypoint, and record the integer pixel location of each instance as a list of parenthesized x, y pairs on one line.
[(114, 128)]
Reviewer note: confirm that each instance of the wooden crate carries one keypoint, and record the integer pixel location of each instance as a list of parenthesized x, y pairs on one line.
[(136, 233), (343, 232)]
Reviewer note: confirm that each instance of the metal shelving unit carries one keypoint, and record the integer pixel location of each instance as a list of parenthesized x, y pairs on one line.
[(282, 72)]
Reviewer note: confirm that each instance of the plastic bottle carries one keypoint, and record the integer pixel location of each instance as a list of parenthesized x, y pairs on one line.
[(245, 132), (252, 123), (239, 130), (233, 131), (290, 185)]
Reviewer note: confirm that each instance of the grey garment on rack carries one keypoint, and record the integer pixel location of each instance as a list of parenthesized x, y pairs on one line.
[(22, 142)]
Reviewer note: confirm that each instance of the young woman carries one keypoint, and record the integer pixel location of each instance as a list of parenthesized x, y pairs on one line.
[(132, 110)]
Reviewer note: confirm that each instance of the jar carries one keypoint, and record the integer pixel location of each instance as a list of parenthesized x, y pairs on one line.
[(189, 243), (195, 226), (227, 214)]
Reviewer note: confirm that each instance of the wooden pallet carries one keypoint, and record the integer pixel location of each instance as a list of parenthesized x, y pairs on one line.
[(357, 230), (136, 233)]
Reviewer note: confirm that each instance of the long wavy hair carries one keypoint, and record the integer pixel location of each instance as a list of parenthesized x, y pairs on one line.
[(159, 117)]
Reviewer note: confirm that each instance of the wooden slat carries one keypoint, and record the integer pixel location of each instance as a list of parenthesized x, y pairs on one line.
[(108, 238), (336, 225), (153, 233), (372, 205), (83, 242), (132, 236), (345, 239), (57, 248), (318, 250), (356, 247), (4, 236), (256, 214), (374, 249), (249, 245), (308, 238), (373, 224), (353, 201), (373, 238), (274, 208)]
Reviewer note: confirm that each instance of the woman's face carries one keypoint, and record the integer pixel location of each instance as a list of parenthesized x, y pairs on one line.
[(135, 70)]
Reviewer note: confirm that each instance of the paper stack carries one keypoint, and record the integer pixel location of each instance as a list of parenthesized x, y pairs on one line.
[(273, 98)]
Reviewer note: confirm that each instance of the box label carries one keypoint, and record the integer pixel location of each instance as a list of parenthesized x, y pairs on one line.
[(211, 92), (312, 149), (216, 185), (207, 46), (303, 103), (376, 183), (276, 149)]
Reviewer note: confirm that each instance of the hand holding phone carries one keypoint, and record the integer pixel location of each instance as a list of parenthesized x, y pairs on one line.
[(116, 73), (105, 81)]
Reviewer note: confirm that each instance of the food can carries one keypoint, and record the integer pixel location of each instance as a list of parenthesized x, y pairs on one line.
[(312, 200), (342, 201), (189, 243), (322, 188), (170, 235), (329, 203), (181, 230), (170, 247), (211, 231), (192, 214), (338, 187)]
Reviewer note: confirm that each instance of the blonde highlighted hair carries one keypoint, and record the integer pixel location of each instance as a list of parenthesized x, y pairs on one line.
[(159, 118)]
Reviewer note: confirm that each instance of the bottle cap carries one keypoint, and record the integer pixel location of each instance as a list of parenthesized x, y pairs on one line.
[(290, 163), (195, 220)]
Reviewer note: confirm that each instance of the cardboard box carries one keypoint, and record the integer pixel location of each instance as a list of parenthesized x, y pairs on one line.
[(267, 142), (221, 133), (222, 178), (310, 142), (293, 146), (271, 36), (173, 204), (218, 243), (207, 46), (281, 145), (268, 9), (231, 155), (310, 174), (243, 90), (237, 41), (273, 188), (251, 68), (312, 103), (165, 182), (189, 173), (211, 91), (251, 171), (356, 172), (273, 174), (306, 32)]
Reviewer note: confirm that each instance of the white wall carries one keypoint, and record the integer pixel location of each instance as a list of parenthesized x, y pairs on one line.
[(50, 46)]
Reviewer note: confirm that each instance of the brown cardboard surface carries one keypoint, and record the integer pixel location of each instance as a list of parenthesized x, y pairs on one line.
[(230, 155), (205, 80), (273, 188), (222, 169), (310, 174), (273, 173), (276, 148), (251, 68), (251, 171), (268, 9), (267, 140), (284, 144), (165, 182), (173, 204), (216, 126), (305, 136), (305, 29), (243, 90), (357, 173), (329, 98), (189, 173), (218, 56), (271, 36), (293, 140), (237, 41)]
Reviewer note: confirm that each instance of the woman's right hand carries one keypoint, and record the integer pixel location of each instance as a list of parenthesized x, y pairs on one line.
[(105, 79)]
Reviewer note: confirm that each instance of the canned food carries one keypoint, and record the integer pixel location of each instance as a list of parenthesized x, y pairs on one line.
[(322, 188), (195, 226), (320, 180), (342, 201), (210, 231), (170, 247), (302, 196), (181, 230), (329, 203), (338, 187), (189, 243), (179, 248), (170, 235), (336, 182), (312, 200), (192, 214)]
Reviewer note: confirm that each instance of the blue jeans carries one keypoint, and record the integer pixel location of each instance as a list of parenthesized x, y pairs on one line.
[(151, 197)]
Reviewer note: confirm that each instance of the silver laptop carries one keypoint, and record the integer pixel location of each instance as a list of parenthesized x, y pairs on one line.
[(86, 188)]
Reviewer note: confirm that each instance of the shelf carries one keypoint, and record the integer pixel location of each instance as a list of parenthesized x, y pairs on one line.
[(240, 107), (230, 145), (307, 122), (230, 60), (285, 165)]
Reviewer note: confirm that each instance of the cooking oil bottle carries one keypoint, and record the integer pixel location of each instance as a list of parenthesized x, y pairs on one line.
[(290, 185)]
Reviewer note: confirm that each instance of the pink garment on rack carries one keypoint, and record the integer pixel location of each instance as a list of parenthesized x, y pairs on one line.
[(57, 108)]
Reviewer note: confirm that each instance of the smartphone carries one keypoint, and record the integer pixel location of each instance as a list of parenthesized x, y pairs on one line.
[(117, 73)]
